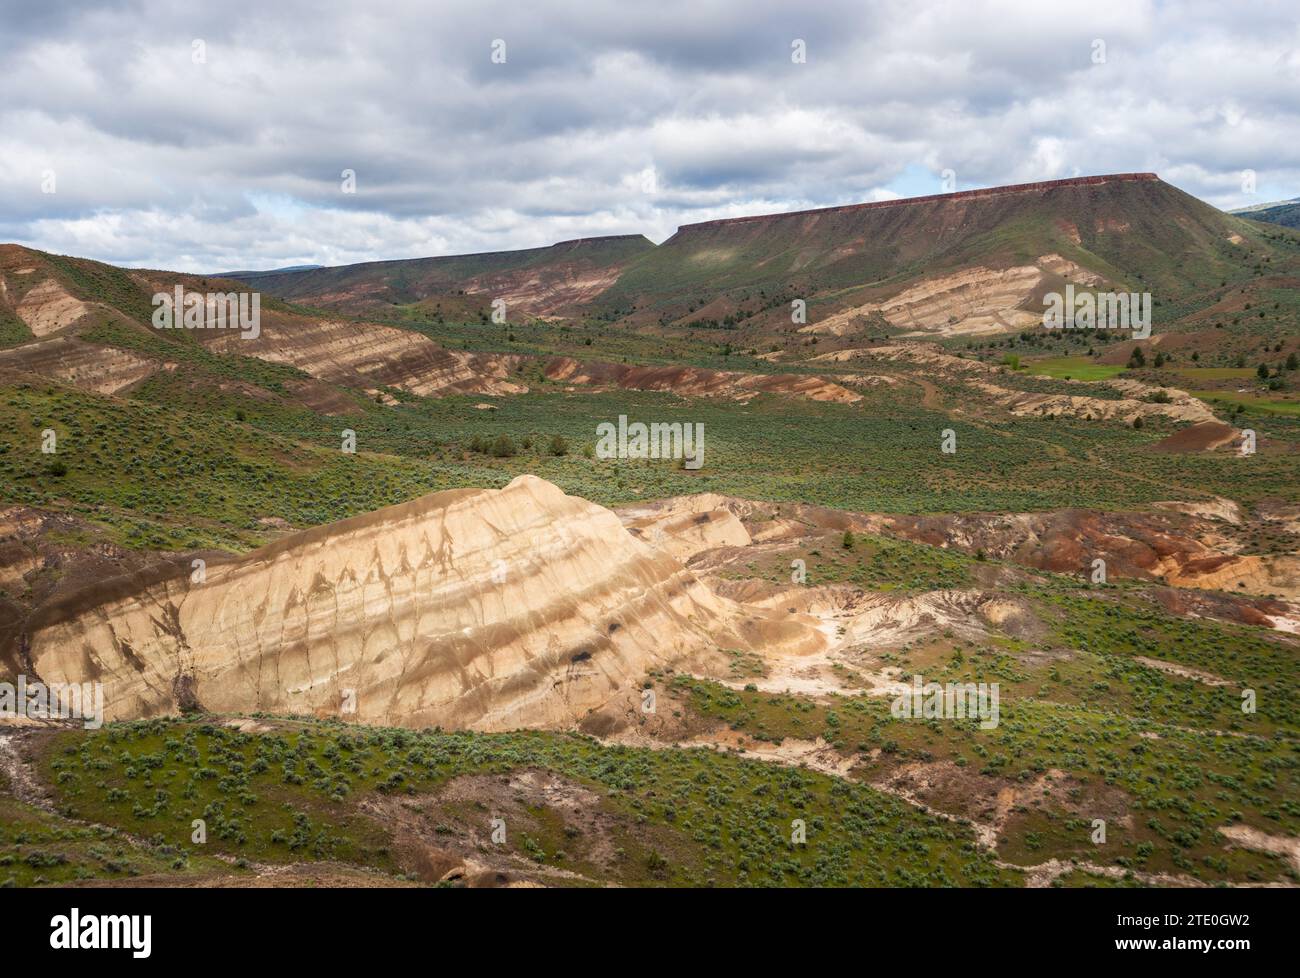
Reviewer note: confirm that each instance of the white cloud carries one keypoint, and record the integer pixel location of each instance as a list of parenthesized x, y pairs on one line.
[(236, 162)]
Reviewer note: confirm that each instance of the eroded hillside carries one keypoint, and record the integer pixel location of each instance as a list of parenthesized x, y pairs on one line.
[(483, 609), (361, 579)]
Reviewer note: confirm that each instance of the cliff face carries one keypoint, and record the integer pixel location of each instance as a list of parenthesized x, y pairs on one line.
[(491, 609)]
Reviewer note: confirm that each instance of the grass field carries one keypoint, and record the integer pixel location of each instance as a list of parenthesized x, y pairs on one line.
[(1191, 375), (1086, 731), (1252, 401), (1073, 368), (38, 848), (694, 817), (185, 466)]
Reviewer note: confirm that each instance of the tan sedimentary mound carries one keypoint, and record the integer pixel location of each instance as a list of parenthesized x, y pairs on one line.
[(1254, 574), (972, 301), (369, 356), (102, 369), (48, 307), (687, 525), (698, 381), (1183, 543), (491, 609), (546, 291), (1140, 401), (1181, 406)]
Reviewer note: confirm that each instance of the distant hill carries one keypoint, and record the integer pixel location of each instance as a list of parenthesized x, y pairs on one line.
[(1124, 227), (248, 276), (961, 266), (970, 262), (90, 324), (554, 280), (1283, 212)]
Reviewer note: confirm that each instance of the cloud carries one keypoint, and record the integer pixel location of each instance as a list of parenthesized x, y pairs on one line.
[(235, 159)]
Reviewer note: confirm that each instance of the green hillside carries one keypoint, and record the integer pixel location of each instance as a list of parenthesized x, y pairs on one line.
[(1285, 213)]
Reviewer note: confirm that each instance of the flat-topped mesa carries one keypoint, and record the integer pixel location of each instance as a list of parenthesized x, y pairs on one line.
[(1009, 190), (492, 609), (1120, 226)]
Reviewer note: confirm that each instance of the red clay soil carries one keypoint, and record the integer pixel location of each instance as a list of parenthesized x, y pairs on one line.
[(1204, 437), (1065, 541), (1225, 607)]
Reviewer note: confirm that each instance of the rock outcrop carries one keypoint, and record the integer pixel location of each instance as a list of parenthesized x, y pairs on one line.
[(368, 356), (491, 609), (102, 369), (697, 381), (972, 301), (48, 307)]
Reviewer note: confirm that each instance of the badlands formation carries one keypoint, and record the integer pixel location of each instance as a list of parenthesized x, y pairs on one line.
[(975, 301), (369, 356), (526, 607), (488, 609)]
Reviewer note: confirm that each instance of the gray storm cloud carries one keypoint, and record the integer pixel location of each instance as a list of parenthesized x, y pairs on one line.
[(235, 160)]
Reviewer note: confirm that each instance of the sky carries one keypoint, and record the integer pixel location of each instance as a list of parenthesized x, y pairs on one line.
[(206, 137)]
